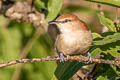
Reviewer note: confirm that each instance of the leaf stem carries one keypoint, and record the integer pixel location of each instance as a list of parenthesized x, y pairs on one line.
[(116, 17)]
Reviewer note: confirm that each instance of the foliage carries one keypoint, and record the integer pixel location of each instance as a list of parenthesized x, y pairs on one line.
[(115, 3), (107, 22), (14, 36), (12, 41)]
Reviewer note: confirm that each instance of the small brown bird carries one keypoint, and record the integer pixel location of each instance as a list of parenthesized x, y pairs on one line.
[(74, 36)]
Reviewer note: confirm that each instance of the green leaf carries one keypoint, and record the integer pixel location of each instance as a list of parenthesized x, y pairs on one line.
[(118, 25), (109, 39), (54, 7), (110, 44), (116, 70), (66, 70), (39, 4), (115, 3), (96, 35), (102, 78), (94, 51), (112, 48), (54, 78), (106, 22), (106, 72)]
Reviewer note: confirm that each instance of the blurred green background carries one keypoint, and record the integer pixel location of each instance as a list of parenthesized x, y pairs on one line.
[(14, 36)]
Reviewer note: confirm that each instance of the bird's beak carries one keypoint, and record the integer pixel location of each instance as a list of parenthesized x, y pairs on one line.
[(53, 22)]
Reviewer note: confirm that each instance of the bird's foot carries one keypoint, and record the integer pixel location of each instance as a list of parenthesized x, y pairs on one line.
[(62, 57), (89, 58)]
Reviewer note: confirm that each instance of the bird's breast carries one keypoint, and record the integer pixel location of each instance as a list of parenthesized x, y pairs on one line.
[(74, 43)]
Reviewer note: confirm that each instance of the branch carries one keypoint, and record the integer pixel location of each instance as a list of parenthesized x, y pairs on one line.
[(56, 58)]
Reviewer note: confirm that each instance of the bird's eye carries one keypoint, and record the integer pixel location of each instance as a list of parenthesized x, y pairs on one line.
[(67, 20)]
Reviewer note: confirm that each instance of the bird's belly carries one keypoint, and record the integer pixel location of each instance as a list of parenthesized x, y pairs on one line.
[(72, 47), (71, 44)]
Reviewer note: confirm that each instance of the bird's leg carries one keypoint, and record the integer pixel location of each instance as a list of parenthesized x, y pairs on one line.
[(62, 57), (89, 58)]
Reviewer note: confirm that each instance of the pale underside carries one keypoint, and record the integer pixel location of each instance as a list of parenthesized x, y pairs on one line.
[(74, 42)]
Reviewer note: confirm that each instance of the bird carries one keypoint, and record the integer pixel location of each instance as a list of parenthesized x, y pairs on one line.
[(74, 37)]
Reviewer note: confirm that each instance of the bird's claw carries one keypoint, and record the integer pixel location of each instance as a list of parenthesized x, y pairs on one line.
[(62, 58), (89, 58)]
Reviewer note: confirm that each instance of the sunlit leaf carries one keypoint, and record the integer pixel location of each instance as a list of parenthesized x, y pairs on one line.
[(96, 35), (102, 78), (115, 3), (94, 51), (109, 39), (54, 7), (54, 77), (106, 22), (41, 4), (110, 44)]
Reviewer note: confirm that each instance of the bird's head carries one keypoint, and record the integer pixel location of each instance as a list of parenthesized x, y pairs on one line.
[(69, 22)]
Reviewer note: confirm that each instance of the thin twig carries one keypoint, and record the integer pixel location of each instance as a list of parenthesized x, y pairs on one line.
[(100, 9), (68, 58), (116, 19)]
